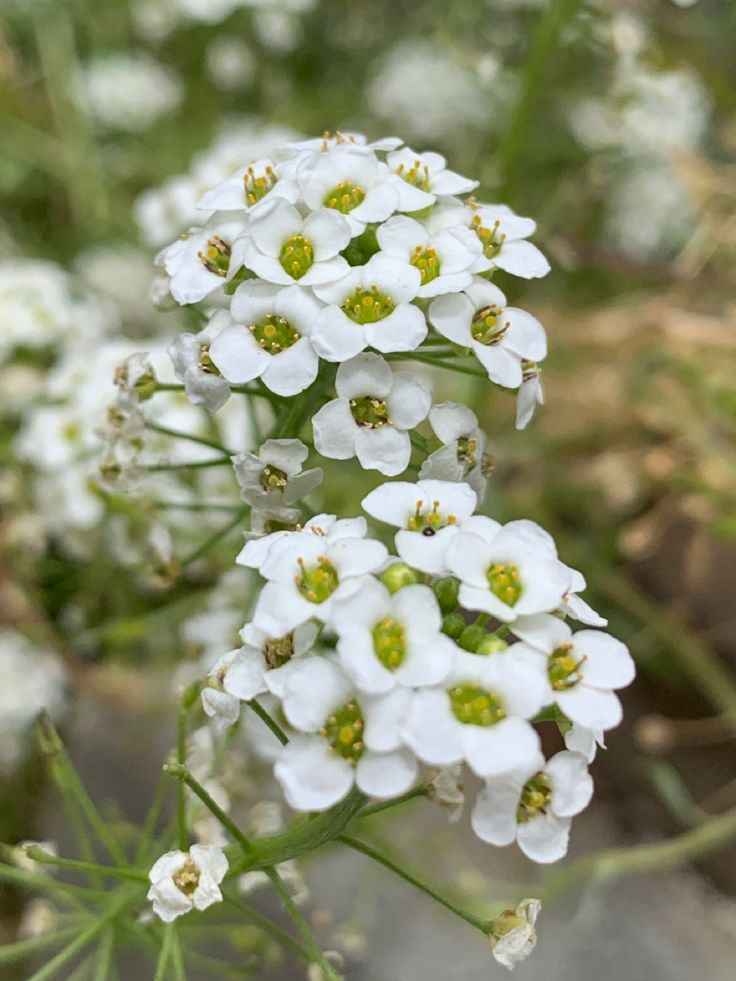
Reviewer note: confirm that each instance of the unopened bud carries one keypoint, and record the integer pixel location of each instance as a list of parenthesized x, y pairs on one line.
[(491, 644), (471, 637), (399, 574), (453, 625), (446, 591)]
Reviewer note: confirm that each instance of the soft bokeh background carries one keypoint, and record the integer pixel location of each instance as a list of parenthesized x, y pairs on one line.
[(614, 125)]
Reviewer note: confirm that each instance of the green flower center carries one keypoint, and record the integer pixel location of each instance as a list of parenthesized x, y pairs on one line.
[(215, 257), (368, 306), (487, 328), (273, 479), (186, 879), (534, 799), (427, 263), (278, 650), (563, 669), (343, 731), (389, 643), (370, 413), (257, 188), (318, 582), (205, 362), (474, 706), (504, 582), (428, 522), (274, 334), (297, 256), (490, 238), (467, 450), (344, 197), (417, 175)]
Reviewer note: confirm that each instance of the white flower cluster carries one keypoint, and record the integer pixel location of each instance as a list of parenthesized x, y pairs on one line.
[(321, 265)]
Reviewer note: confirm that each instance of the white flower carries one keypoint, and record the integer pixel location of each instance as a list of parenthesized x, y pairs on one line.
[(462, 455), (248, 188), (370, 307), (189, 354), (386, 640), (427, 514), (352, 181), (512, 934), (534, 805), (260, 665), (583, 669), (478, 715), (273, 479), (372, 415), (501, 337), (443, 259), (348, 739), (182, 881), (576, 607), (199, 262), (127, 90), (271, 338), (423, 177), (530, 394), (309, 571), (503, 236), (507, 570), (282, 247)]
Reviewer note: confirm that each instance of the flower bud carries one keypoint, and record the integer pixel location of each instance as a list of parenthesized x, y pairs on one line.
[(491, 644), (446, 591), (512, 933), (399, 574), (453, 625), (471, 637)]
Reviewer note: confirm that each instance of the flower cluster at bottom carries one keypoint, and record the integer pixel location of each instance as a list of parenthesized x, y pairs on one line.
[(445, 654)]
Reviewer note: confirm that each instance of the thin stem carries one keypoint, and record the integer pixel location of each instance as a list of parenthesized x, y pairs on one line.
[(223, 532), (310, 941), (195, 506), (162, 965), (177, 959), (430, 360), (104, 964), (71, 895), (386, 805), (376, 856), (190, 437), (82, 939), (181, 756), (266, 925), (268, 720), (66, 775), (39, 855), (181, 773), (218, 461), (9, 953), (616, 862)]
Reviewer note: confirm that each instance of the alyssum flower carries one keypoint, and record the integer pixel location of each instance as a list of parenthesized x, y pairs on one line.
[(273, 479), (183, 881), (348, 738), (372, 415), (462, 456)]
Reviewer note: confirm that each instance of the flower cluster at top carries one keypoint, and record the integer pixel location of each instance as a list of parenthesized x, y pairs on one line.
[(334, 246), (319, 268)]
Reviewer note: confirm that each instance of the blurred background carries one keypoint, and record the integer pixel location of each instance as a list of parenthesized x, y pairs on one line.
[(613, 124)]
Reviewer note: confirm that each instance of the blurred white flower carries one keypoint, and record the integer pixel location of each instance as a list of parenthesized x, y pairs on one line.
[(127, 90)]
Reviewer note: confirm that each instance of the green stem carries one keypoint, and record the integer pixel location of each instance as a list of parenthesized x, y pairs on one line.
[(9, 953), (181, 797), (314, 951), (104, 964), (219, 461), (267, 926), (39, 855), (195, 506), (617, 862), (430, 360), (376, 856), (386, 805), (162, 965), (177, 959), (66, 775), (82, 939), (213, 540), (544, 45), (181, 773), (190, 437), (268, 720)]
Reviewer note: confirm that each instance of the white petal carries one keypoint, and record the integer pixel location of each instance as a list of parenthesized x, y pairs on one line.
[(542, 631), (590, 707), (431, 730), (522, 259), (365, 374), (335, 430), (469, 557), (384, 717), (493, 751), (525, 335), (293, 370), (572, 785), (451, 420), (451, 316), (607, 664), (237, 355), (387, 450), (313, 692), (386, 775), (544, 838), (428, 553), (328, 231), (409, 400), (336, 337), (403, 330), (494, 814), (394, 503), (270, 230), (312, 777)]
